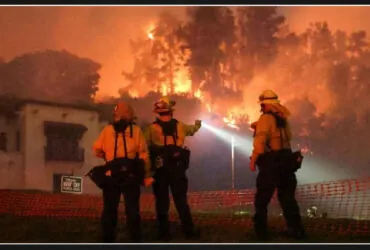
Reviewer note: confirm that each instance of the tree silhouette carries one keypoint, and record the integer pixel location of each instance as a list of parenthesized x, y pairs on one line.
[(259, 27), (208, 34), (167, 49), (51, 75)]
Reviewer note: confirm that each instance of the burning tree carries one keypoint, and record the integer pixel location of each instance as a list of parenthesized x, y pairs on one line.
[(259, 27), (167, 53), (323, 74), (209, 35), (145, 75), (159, 61)]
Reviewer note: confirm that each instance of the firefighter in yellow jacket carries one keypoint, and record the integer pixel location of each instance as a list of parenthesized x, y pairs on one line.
[(272, 153), (122, 144), (170, 161)]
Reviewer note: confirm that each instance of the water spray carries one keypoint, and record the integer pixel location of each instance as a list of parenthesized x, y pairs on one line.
[(242, 143)]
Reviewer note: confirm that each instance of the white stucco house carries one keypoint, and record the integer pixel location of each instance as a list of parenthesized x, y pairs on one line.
[(40, 141)]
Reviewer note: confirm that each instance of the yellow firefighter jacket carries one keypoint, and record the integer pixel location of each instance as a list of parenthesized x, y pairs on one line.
[(136, 144), (266, 133), (154, 134)]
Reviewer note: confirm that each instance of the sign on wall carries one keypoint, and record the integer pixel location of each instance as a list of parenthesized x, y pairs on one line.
[(71, 184)]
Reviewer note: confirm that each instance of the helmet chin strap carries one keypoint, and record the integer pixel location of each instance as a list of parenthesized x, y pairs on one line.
[(262, 107)]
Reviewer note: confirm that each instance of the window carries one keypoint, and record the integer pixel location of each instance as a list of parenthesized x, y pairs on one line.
[(18, 141), (3, 142), (63, 142)]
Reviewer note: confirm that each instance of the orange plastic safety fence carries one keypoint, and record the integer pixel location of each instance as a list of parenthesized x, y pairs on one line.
[(340, 206)]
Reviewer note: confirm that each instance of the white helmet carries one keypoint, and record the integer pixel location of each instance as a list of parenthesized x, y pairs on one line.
[(268, 97)]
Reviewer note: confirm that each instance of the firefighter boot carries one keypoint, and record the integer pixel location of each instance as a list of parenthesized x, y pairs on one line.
[(164, 233)]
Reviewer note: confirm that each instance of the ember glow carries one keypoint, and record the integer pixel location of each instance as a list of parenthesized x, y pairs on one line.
[(150, 31), (230, 123), (232, 115), (182, 82), (183, 86), (150, 36)]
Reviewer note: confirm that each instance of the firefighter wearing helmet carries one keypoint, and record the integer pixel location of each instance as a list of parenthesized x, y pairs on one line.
[(170, 160), (123, 147), (277, 165)]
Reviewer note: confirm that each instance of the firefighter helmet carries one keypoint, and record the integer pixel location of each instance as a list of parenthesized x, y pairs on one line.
[(124, 111), (164, 105), (268, 97)]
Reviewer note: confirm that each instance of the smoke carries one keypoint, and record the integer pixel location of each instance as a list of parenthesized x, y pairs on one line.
[(99, 33), (103, 33), (346, 18), (277, 77), (313, 83)]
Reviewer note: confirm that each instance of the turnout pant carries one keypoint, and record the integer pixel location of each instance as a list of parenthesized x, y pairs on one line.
[(178, 183), (111, 199), (270, 178)]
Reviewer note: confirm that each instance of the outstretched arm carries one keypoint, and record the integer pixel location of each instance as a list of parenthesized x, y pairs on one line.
[(190, 130)]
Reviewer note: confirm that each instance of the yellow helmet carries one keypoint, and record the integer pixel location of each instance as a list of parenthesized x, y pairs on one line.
[(268, 97), (124, 111), (164, 105)]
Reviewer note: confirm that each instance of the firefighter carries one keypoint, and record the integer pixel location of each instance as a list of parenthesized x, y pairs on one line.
[(272, 154), (122, 145), (170, 160)]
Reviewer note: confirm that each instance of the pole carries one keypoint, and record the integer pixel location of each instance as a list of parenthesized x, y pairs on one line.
[(232, 163)]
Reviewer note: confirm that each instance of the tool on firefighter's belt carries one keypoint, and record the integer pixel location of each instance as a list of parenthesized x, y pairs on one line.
[(293, 160), (124, 171), (169, 156)]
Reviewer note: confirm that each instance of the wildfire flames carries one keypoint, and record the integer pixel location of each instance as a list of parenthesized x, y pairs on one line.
[(230, 123), (182, 84), (150, 36)]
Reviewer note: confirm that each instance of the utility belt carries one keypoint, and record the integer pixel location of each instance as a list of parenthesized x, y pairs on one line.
[(124, 171), (284, 159), (170, 157)]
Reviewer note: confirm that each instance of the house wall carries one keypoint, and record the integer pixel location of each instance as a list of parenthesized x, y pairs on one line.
[(11, 161), (38, 174)]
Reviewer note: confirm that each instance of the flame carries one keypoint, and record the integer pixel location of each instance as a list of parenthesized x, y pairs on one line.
[(133, 93), (150, 30), (230, 122), (164, 89), (198, 94), (182, 84), (208, 107), (150, 36)]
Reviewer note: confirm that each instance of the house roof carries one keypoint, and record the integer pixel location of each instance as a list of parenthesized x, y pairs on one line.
[(87, 107), (10, 104)]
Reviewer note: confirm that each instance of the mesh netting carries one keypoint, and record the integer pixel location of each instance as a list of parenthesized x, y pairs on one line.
[(338, 207)]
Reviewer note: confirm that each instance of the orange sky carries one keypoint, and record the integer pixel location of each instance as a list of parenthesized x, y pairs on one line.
[(102, 33)]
